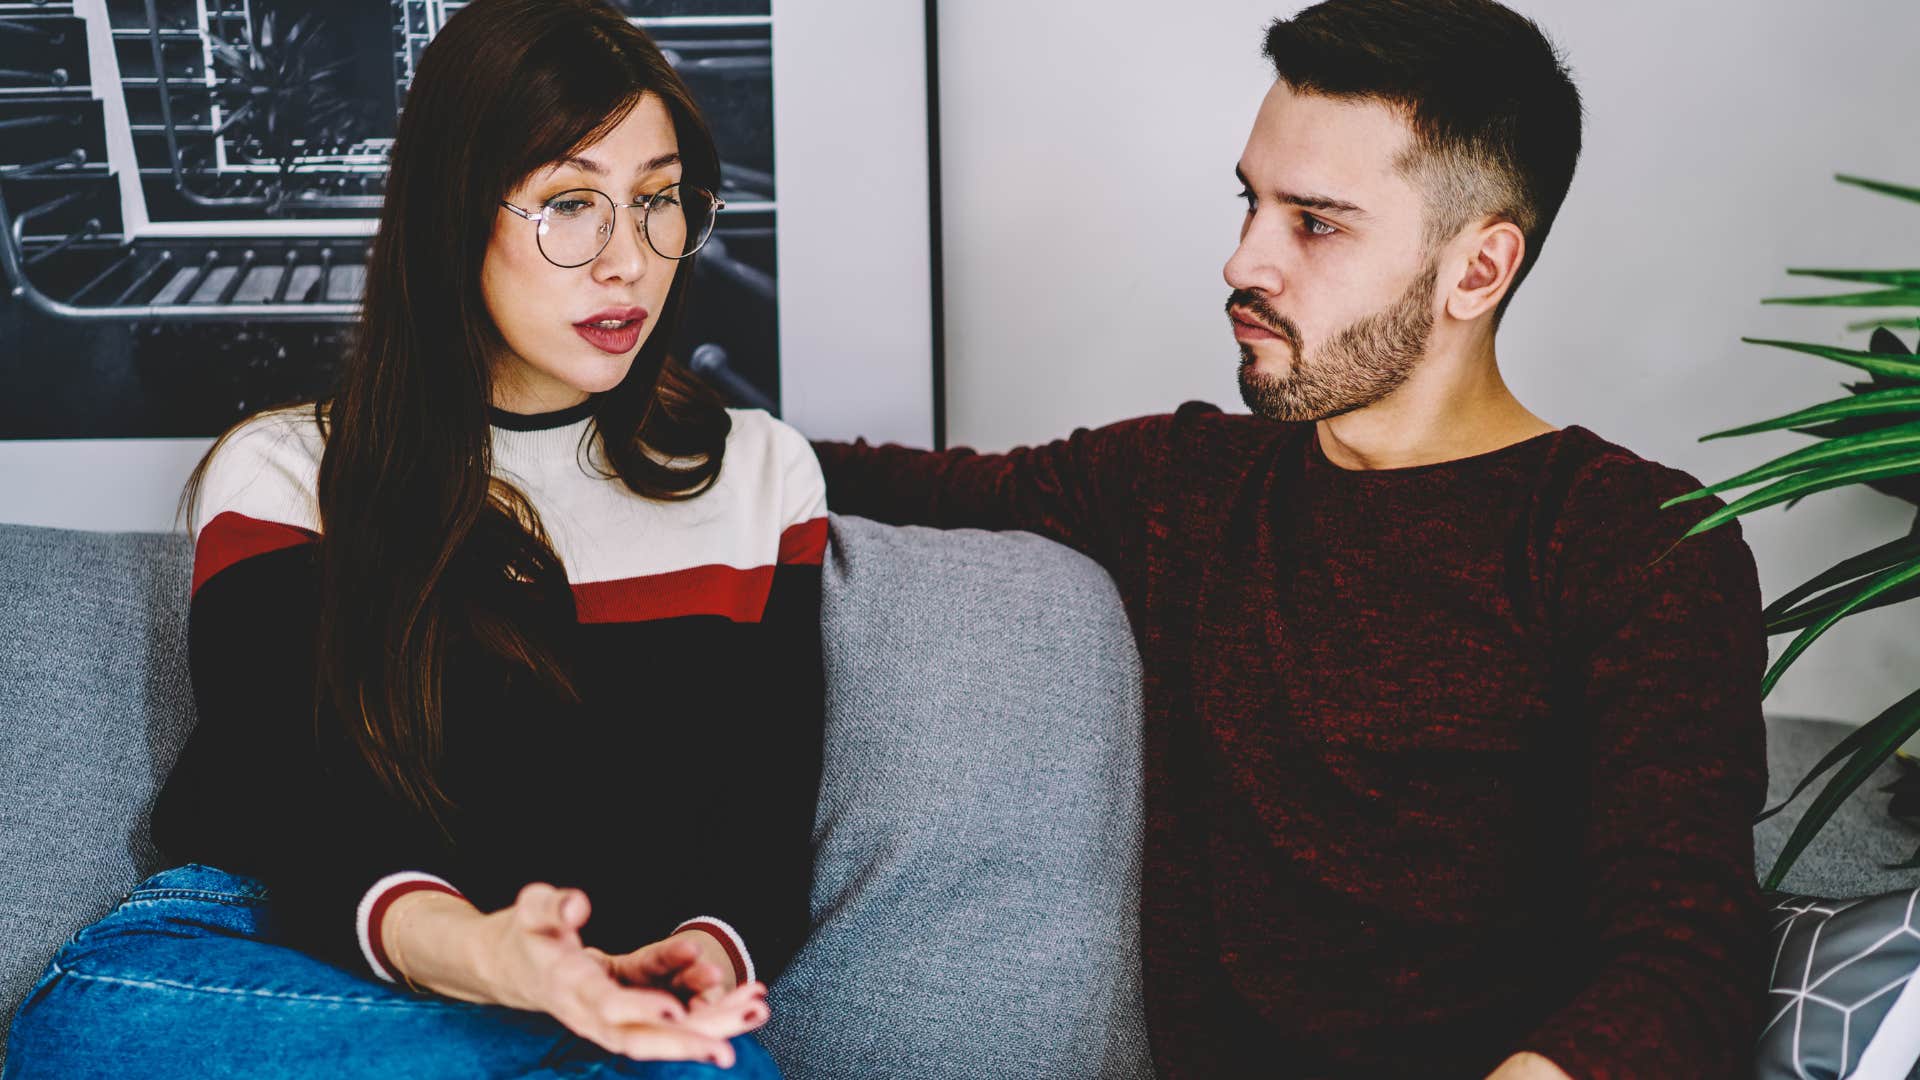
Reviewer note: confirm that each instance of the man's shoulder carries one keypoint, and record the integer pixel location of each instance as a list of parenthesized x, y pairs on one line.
[(1614, 508), (1604, 473)]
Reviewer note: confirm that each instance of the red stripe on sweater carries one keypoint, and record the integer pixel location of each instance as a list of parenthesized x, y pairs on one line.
[(740, 595), (232, 536), (379, 914), (804, 544), (726, 945), (728, 591)]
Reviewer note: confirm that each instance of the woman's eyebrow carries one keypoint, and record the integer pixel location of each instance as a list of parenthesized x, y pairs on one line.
[(672, 157)]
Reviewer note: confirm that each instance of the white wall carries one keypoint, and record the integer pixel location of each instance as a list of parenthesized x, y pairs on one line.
[(1088, 152)]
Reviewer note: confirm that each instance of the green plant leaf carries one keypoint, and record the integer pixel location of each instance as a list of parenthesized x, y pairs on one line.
[(1868, 277), (1841, 429), (1867, 562), (1896, 439), (1881, 186), (1895, 367), (1870, 746), (1848, 744), (1814, 610), (1876, 298), (1903, 322), (1880, 584), (1878, 403), (1806, 483)]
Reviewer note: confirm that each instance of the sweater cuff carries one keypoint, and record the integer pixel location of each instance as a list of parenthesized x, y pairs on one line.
[(373, 909), (729, 939)]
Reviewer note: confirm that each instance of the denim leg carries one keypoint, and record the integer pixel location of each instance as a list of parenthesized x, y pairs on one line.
[(750, 1062), (183, 979)]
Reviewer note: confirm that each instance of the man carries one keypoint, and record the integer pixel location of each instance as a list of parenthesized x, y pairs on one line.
[(1451, 753)]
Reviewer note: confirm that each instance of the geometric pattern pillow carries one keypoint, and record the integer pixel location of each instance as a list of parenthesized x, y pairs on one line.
[(1843, 1000)]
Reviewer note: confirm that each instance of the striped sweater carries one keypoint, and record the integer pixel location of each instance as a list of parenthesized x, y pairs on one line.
[(678, 791)]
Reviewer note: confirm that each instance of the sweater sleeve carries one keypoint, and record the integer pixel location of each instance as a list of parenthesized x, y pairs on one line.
[(1667, 655), (1084, 491), (262, 786), (759, 927)]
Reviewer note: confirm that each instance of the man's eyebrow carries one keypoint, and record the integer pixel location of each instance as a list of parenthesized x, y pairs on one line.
[(597, 169), (1307, 202)]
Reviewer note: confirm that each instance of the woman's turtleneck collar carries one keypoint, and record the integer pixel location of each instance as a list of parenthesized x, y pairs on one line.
[(530, 444), (546, 421)]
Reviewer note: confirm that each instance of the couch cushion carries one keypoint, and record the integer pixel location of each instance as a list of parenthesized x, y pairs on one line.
[(1844, 996), (94, 705), (975, 894)]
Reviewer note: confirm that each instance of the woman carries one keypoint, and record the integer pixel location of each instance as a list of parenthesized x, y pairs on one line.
[(506, 657)]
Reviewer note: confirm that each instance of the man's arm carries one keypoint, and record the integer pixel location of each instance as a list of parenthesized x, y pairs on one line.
[(1670, 652), (1084, 491)]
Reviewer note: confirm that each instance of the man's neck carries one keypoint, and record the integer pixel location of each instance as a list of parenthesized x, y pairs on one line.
[(1447, 411)]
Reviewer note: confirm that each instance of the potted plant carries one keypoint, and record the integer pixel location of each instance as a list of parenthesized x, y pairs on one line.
[(1871, 437)]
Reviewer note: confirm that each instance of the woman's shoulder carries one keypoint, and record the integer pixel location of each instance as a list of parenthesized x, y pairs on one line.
[(770, 459), (266, 469)]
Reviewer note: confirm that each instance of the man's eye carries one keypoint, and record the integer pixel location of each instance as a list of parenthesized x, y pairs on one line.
[(1316, 227)]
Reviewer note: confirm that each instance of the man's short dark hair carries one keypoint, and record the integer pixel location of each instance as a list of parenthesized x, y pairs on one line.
[(1494, 112)]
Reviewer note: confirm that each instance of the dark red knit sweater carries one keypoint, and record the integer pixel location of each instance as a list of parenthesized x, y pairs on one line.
[(1442, 763)]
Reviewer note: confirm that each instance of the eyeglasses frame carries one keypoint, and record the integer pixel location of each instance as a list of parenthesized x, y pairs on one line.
[(645, 204)]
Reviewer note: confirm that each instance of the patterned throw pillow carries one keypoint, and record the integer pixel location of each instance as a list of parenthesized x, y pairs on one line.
[(1843, 1001)]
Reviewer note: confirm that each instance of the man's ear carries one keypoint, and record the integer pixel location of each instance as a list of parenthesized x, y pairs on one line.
[(1487, 260)]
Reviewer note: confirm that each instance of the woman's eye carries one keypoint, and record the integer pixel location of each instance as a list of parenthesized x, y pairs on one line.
[(1316, 227), (566, 207), (1247, 197)]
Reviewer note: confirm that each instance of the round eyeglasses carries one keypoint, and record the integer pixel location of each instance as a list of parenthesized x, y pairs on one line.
[(575, 226)]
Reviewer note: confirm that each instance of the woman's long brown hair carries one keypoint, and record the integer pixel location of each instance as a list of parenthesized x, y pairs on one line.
[(417, 536)]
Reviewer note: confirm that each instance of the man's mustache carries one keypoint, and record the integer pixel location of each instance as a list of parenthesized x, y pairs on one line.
[(1250, 306)]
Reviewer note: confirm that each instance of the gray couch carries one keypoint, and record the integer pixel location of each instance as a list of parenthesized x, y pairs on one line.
[(978, 820)]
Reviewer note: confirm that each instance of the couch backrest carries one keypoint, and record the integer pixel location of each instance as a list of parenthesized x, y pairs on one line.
[(94, 706)]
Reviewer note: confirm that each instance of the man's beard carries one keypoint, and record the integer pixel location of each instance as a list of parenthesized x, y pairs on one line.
[(1359, 366)]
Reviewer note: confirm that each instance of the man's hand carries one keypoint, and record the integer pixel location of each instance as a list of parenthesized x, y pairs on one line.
[(1527, 1065), (693, 967)]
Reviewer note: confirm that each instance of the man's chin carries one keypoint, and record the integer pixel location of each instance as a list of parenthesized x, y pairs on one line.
[(1267, 360)]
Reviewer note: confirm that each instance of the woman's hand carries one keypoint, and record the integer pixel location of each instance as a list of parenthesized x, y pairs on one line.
[(693, 967), (529, 956)]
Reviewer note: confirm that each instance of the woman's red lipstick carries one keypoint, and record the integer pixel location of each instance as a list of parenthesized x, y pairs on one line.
[(613, 339)]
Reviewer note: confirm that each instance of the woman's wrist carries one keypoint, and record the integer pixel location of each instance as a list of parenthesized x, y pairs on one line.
[(438, 942)]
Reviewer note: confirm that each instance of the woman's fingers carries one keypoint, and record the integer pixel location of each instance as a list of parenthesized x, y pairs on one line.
[(542, 907), (599, 995), (699, 977), (675, 1044), (656, 962), (640, 1023), (725, 1015)]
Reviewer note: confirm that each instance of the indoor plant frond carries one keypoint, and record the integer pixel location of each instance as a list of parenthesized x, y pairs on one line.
[(1871, 437)]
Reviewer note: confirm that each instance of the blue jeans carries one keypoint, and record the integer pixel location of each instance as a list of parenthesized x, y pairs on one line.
[(184, 978)]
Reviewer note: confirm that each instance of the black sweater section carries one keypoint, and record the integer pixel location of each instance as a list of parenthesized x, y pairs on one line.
[(682, 784)]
